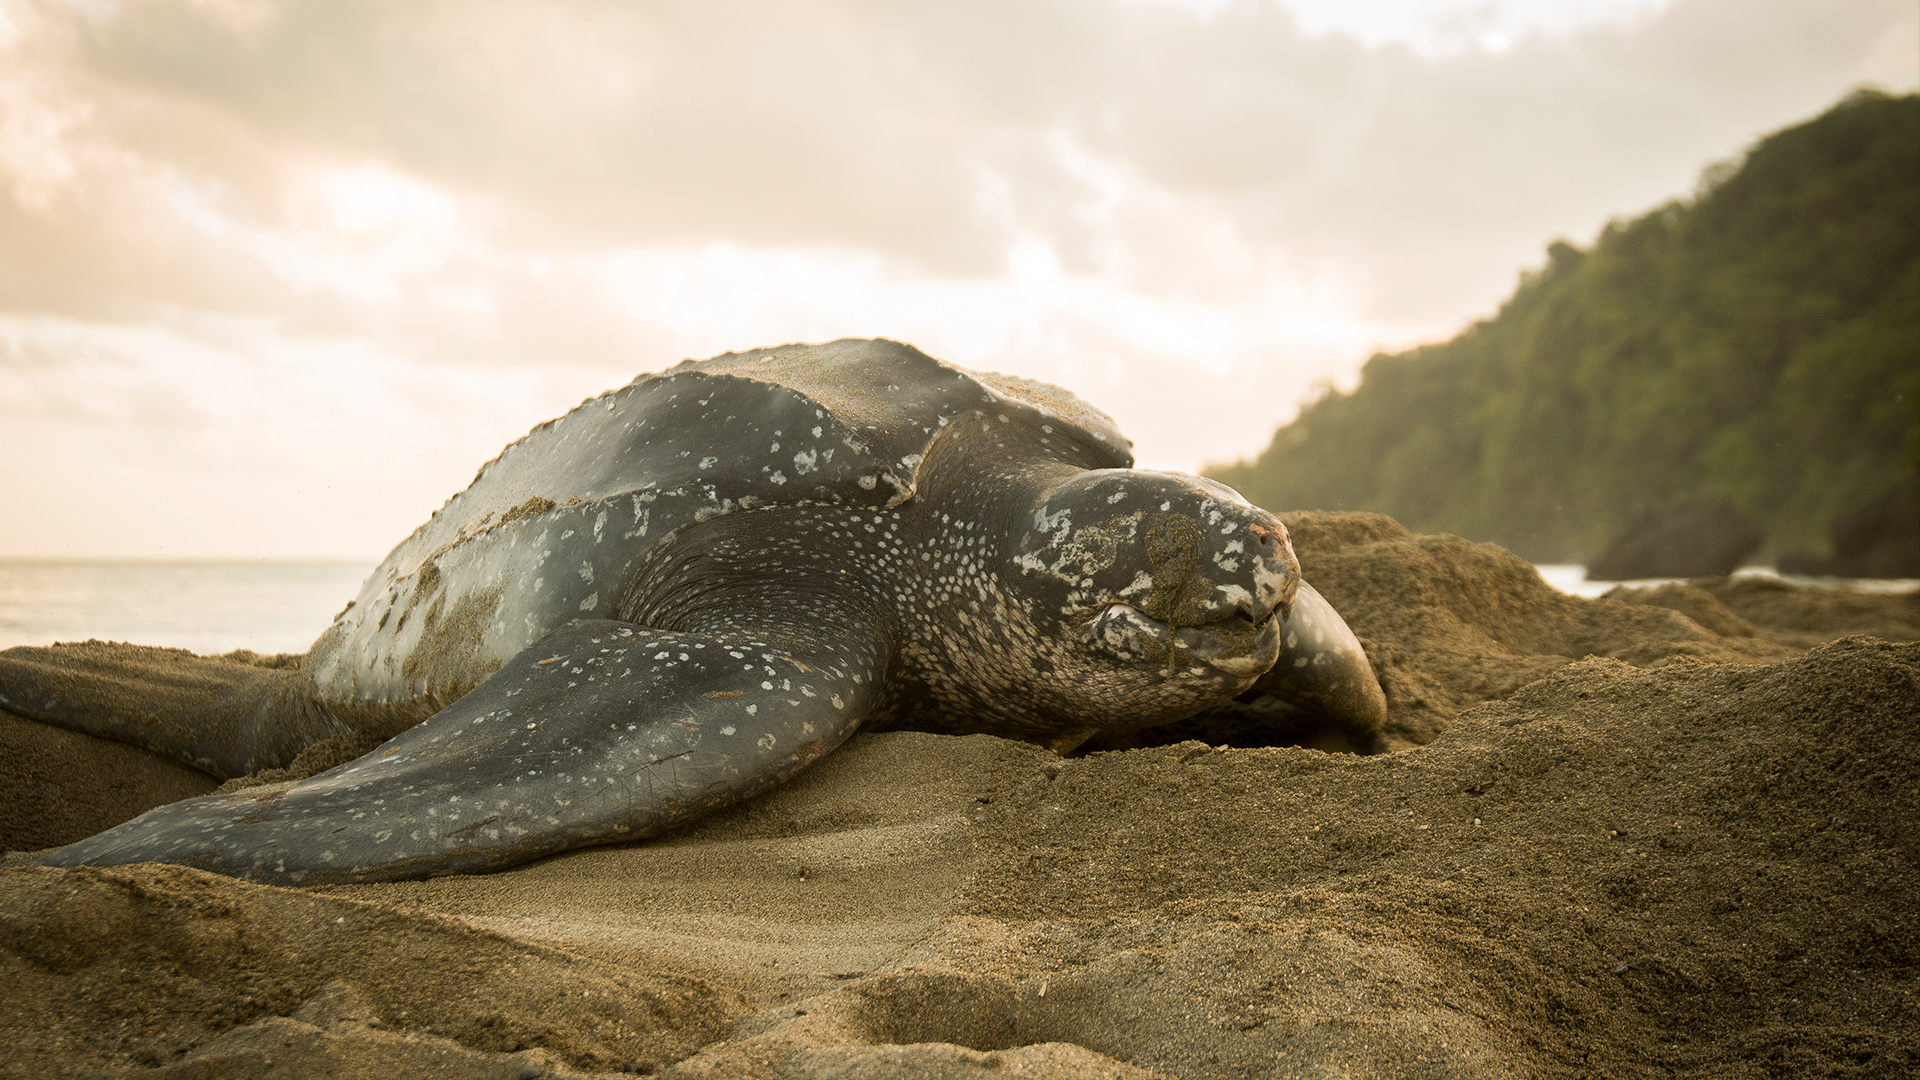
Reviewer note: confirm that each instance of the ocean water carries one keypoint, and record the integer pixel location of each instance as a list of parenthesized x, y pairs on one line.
[(276, 607), (205, 607), (1571, 578)]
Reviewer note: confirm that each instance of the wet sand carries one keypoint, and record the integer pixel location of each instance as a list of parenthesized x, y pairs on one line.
[(1671, 832)]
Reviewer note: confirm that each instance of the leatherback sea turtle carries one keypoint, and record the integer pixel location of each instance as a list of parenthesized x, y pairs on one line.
[(685, 590)]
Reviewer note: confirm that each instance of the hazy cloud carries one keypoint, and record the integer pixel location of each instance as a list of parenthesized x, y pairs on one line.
[(931, 134), (1167, 204)]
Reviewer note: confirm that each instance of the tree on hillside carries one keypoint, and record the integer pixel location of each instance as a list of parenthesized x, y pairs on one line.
[(1760, 340)]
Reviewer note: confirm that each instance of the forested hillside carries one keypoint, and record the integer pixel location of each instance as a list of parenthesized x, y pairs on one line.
[(1760, 340)]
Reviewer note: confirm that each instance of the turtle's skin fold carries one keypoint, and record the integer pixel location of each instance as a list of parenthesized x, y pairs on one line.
[(687, 589)]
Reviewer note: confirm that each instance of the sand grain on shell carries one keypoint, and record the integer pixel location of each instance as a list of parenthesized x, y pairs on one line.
[(1652, 835)]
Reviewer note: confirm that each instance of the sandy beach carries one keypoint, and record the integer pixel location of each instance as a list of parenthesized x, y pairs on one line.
[(1669, 832)]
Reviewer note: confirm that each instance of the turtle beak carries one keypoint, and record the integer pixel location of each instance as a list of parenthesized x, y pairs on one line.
[(1238, 628), (1264, 600), (1237, 648), (1240, 655)]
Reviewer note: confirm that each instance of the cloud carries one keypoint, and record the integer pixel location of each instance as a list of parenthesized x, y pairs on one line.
[(228, 439), (1193, 212), (765, 122), (142, 139)]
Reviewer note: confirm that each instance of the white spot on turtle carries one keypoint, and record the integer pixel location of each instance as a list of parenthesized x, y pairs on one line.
[(592, 601)]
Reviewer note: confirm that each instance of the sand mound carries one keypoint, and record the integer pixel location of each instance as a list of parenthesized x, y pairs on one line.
[(55, 789), (1645, 836), (166, 966), (1806, 617), (1450, 624)]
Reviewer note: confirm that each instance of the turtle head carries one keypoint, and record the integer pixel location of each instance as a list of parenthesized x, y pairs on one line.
[(1171, 589)]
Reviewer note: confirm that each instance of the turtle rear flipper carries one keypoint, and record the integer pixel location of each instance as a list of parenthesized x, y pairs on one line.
[(225, 717), (603, 731)]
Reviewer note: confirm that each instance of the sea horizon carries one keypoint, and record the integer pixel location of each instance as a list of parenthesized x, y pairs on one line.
[(206, 606), (213, 605)]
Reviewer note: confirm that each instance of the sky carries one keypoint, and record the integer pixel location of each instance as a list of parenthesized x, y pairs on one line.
[(277, 277)]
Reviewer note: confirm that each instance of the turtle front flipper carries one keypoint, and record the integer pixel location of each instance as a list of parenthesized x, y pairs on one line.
[(1323, 669), (601, 732)]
